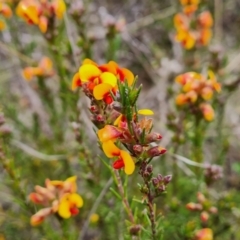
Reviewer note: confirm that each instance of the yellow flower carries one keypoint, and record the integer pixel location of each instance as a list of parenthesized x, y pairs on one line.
[(28, 11), (94, 218), (69, 204), (59, 7)]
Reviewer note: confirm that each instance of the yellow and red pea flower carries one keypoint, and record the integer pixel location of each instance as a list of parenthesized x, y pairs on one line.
[(187, 36), (107, 136), (69, 205), (124, 159), (196, 86), (44, 69), (38, 13), (59, 196), (101, 80), (29, 11)]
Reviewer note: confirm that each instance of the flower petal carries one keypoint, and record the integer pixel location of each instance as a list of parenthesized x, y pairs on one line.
[(76, 82), (128, 76), (145, 112), (109, 78), (88, 72), (110, 149), (109, 132), (64, 208), (129, 165), (117, 121), (101, 90), (89, 61), (76, 200)]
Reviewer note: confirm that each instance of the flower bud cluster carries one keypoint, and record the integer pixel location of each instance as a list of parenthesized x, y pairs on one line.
[(197, 90), (212, 173), (160, 183), (193, 29), (41, 13), (204, 206), (57, 197), (113, 95)]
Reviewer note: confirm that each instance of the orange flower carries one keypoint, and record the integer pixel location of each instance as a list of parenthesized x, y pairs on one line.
[(181, 99), (5, 10), (29, 11), (43, 24), (101, 80), (45, 69), (204, 234), (189, 9), (205, 36), (207, 111), (205, 19), (181, 21), (188, 2), (40, 216)]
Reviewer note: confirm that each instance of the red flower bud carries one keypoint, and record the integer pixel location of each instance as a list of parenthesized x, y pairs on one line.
[(153, 137), (156, 151), (204, 216)]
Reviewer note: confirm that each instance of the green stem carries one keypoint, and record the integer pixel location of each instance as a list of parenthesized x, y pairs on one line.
[(124, 199), (198, 143)]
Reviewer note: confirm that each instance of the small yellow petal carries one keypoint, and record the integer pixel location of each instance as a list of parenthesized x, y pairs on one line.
[(76, 200), (101, 90), (71, 179), (129, 165), (43, 23), (89, 61), (110, 149), (109, 78), (88, 72), (94, 218), (117, 121), (145, 112), (64, 209)]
